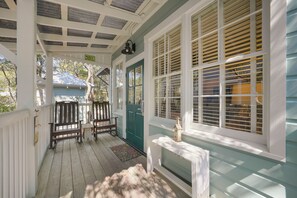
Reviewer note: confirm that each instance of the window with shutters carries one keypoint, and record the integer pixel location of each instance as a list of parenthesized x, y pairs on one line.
[(119, 75), (227, 63), (230, 89), (167, 74)]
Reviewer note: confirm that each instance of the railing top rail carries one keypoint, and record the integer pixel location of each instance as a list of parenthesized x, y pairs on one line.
[(10, 117)]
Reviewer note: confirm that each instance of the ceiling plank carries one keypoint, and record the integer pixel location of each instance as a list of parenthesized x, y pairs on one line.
[(53, 37), (11, 4), (7, 14), (64, 15), (11, 15), (98, 8), (8, 33), (79, 26)]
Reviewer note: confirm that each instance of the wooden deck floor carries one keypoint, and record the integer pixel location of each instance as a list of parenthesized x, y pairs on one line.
[(70, 169)]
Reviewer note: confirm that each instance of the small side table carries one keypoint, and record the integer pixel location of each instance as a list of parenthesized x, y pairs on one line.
[(87, 130)]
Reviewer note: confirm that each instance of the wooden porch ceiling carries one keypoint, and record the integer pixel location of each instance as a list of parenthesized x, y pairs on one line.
[(79, 25), (77, 170)]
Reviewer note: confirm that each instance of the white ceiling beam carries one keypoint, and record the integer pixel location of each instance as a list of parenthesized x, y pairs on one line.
[(79, 26), (54, 49), (11, 15), (77, 49), (11, 4), (98, 8), (41, 43), (9, 55), (52, 37), (99, 22), (13, 46), (63, 56)]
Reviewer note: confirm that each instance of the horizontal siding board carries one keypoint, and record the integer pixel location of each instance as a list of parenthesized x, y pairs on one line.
[(292, 66), (292, 88), (291, 110), (292, 152), (291, 130), (217, 193), (153, 130), (291, 45), (231, 187), (291, 23), (253, 181), (282, 173), (291, 5)]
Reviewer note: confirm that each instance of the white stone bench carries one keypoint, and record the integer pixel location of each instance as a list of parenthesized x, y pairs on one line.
[(198, 157)]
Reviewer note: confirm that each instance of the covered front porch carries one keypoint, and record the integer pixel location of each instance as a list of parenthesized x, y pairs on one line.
[(223, 67), (91, 169)]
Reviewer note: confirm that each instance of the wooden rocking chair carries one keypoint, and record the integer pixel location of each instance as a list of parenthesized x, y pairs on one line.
[(66, 123), (102, 120)]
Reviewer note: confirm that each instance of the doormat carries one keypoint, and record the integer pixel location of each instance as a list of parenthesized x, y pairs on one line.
[(124, 152)]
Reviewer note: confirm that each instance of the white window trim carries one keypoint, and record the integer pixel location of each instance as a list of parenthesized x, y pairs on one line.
[(120, 59), (275, 113)]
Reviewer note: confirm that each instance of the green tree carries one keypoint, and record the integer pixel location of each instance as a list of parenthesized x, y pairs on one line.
[(7, 86)]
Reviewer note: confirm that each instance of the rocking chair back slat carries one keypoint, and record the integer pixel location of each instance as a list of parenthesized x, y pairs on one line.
[(102, 120), (67, 123)]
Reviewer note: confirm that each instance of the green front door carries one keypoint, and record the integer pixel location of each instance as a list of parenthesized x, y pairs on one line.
[(134, 129)]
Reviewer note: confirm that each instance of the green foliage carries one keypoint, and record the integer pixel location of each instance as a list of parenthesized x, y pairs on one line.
[(7, 86), (80, 70)]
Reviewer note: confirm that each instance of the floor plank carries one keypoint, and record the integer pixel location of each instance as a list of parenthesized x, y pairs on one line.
[(97, 168), (76, 170), (101, 158), (77, 173), (53, 185), (66, 172), (44, 173)]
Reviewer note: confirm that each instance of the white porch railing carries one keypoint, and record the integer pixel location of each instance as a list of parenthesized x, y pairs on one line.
[(14, 131), (83, 109), (42, 127)]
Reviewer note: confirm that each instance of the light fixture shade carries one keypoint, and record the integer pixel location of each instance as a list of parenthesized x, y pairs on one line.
[(128, 49)]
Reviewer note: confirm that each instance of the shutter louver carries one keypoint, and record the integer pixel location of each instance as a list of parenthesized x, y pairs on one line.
[(196, 96), (235, 9), (237, 39), (211, 100), (174, 96), (167, 68), (209, 23), (242, 93)]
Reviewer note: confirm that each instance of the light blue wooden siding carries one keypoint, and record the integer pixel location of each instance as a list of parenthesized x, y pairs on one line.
[(59, 91), (138, 37), (239, 174)]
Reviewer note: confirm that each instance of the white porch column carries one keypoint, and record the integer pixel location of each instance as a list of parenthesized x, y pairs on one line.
[(49, 80), (26, 94)]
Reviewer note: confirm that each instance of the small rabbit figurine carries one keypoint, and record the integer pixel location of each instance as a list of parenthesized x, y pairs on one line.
[(177, 131)]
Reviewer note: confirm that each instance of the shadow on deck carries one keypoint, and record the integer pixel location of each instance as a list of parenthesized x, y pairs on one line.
[(91, 169)]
